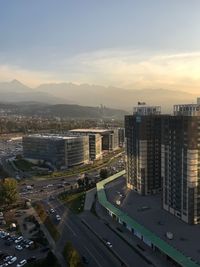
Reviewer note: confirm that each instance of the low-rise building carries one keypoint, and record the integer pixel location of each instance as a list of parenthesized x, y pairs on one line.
[(60, 151), (110, 140), (95, 144)]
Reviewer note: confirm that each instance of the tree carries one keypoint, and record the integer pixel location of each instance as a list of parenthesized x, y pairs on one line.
[(8, 191), (86, 181), (103, 173), (80, 182), (74, 260), (71, 256)]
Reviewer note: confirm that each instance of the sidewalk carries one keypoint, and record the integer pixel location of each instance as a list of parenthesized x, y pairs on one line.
[(51, 241), (148, 253), (89, 199)]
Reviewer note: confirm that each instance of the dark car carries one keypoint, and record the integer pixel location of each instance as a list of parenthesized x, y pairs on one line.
[(3, 255), (8, 243), (45, 249), (85, 260), (31, 259)]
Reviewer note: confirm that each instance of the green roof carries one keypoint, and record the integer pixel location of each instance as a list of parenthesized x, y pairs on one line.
[(172, 252)]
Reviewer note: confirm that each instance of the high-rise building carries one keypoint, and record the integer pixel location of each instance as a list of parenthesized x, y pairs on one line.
[(121, 137), (181, 163), (59, 151), (143, 149)]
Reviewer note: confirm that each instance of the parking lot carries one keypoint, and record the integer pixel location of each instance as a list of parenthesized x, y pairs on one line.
[(17, 246), (28, 244)]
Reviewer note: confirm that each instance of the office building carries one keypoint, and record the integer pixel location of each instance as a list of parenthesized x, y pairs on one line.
[(181, 163), (143, 149), (95, 143), (59, 151), (110, 140)]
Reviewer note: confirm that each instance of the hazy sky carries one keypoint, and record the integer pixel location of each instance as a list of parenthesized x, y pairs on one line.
[(125, 43)]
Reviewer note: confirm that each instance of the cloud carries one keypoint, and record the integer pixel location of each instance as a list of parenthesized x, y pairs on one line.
[(29, 77), (127, 68), (137, 69)]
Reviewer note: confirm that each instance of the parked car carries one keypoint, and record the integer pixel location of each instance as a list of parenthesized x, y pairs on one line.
[(19, 239), (19, 247), (8, 243), (7, 258), (58, 218), (21, 263), (45, 249), (12, 260), (52, 211), (31, 259)]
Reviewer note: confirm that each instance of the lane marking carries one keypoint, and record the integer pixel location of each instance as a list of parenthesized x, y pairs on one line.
[(70, 228), (95, 259)]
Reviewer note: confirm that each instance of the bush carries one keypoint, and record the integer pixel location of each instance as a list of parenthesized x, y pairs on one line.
[(71, 256), (47, 222)]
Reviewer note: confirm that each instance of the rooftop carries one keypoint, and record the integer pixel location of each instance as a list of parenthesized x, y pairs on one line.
[(90, 130), (147, 110), (153, 223), (187, 109), (52, 136)]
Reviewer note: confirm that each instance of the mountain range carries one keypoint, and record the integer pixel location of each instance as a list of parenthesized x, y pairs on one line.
[(92, 95)]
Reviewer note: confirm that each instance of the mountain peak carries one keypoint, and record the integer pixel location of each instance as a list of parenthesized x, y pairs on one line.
[(15, 81)]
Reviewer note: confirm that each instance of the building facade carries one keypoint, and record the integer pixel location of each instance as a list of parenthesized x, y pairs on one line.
[(59, 151), (121, 137), (95, 143), (180, 155), (143, 150), (110, 139)]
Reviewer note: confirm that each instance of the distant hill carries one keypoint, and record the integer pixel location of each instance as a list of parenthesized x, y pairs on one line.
[(66, 111), (86, 94), (93, 95)]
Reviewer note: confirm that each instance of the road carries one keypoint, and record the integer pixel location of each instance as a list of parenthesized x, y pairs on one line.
[(126, 253), (93, 246), (83, 239)]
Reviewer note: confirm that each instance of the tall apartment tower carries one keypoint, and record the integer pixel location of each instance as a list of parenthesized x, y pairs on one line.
[(143, 149), (180, 153)]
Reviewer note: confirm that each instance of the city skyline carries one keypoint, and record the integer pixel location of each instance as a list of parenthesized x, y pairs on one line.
[(134, 45)]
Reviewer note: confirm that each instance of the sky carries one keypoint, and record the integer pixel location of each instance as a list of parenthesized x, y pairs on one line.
[(126, 43)]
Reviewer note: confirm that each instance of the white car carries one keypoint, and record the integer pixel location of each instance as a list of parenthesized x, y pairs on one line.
[(18, 247), (109, 244), (52, 211), (4, 264), (7, 258), (21, 263), (12, 260), (19, 239), (49, 185), (58, 218)]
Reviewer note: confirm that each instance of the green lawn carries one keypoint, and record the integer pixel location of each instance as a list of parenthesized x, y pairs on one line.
[(82, 169), (23, 164)]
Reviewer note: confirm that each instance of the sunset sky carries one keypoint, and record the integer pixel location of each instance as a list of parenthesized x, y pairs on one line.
[(130, 44)]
